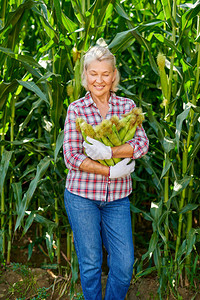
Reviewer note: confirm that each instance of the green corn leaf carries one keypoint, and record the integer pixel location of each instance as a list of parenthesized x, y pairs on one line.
[(190, 13), (156, 211), (191, 239), (1, 240), (70, 26), (41, 169), (166, 167), (181, 251), (89, 19), (120, 10), (166, 8), (157, 257), (156, 125), (58, 13), (74, 268), (30, 249), (145, 272), (45, 23), (153, 243), (196, 147), (106, 13), (15, 16), (49, 243), (163, 217), (48, 75), (179, 121), (78, 11), (17, 190), (59, 143), (35, 105), (163, 40), (21, 58), (168, 144), (5, 89), (5, 160), (137, 210), (28, 223), (180, 185), (34, 216), (30, 85), (188, 207), (57, 107), (17, 142), (145, 160), (122, 39)]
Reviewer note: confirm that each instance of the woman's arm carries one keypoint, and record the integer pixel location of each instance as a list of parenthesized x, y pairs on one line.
[(91, 166), (122, 151), (73, 141)]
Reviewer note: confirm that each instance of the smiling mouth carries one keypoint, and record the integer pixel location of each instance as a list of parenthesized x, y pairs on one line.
[(99, 86)]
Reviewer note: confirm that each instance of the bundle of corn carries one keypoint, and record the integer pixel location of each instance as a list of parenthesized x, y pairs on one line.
[(113, 132)]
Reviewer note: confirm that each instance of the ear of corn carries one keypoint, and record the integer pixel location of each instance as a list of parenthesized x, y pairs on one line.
[(87, 130), (124, 124), (113, 132)]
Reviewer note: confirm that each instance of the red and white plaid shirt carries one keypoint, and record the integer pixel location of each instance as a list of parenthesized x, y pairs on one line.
[(89, 185)]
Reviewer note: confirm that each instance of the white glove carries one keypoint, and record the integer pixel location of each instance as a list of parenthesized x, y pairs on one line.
[(97, 150), (122, 169)]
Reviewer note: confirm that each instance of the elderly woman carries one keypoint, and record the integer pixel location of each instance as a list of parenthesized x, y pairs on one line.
[(96, 195)]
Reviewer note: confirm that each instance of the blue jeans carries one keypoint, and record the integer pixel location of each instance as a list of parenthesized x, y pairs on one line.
[(92, 223)]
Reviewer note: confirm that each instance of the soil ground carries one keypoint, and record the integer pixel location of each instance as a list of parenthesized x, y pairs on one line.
[(26, 279)]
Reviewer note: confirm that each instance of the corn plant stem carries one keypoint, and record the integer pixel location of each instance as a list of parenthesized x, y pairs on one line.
[(83, 4), (58, 235), (12, 123), (133, 215), (58, 252), (4, 7), (3, 189), (10, 226), (195, 90), (189, 213), (167, 117), (166, 191), (181, 203), (68, 245), (191, 131), (39, 158), (3, 221), (88, 4), (57, 225)]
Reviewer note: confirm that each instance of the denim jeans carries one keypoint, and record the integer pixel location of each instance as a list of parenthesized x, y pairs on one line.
[(94, 223)]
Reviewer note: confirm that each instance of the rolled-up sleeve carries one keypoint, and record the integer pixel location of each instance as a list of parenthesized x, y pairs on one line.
[(73, 141), (140, 143)]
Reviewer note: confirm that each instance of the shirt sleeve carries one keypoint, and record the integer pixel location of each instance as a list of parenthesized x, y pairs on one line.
[(140, 143), (73, 141)]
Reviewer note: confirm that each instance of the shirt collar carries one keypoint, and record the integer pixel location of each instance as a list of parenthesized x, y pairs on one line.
[(89, 101)]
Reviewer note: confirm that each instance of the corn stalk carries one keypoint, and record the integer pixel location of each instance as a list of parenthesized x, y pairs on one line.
[(190, 135)]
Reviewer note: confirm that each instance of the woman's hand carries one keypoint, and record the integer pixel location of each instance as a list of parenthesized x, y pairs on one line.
[(97, 150), (122, 168)]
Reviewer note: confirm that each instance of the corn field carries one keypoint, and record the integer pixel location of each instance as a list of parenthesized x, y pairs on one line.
[(157, 48)]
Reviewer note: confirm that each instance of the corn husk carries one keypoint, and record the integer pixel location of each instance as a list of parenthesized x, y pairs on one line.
[(113, 132)]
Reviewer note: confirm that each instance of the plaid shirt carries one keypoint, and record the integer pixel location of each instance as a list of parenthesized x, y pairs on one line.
[(89, 185)]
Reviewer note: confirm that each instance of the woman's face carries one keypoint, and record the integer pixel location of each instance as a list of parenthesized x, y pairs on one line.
[(99, 77)]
